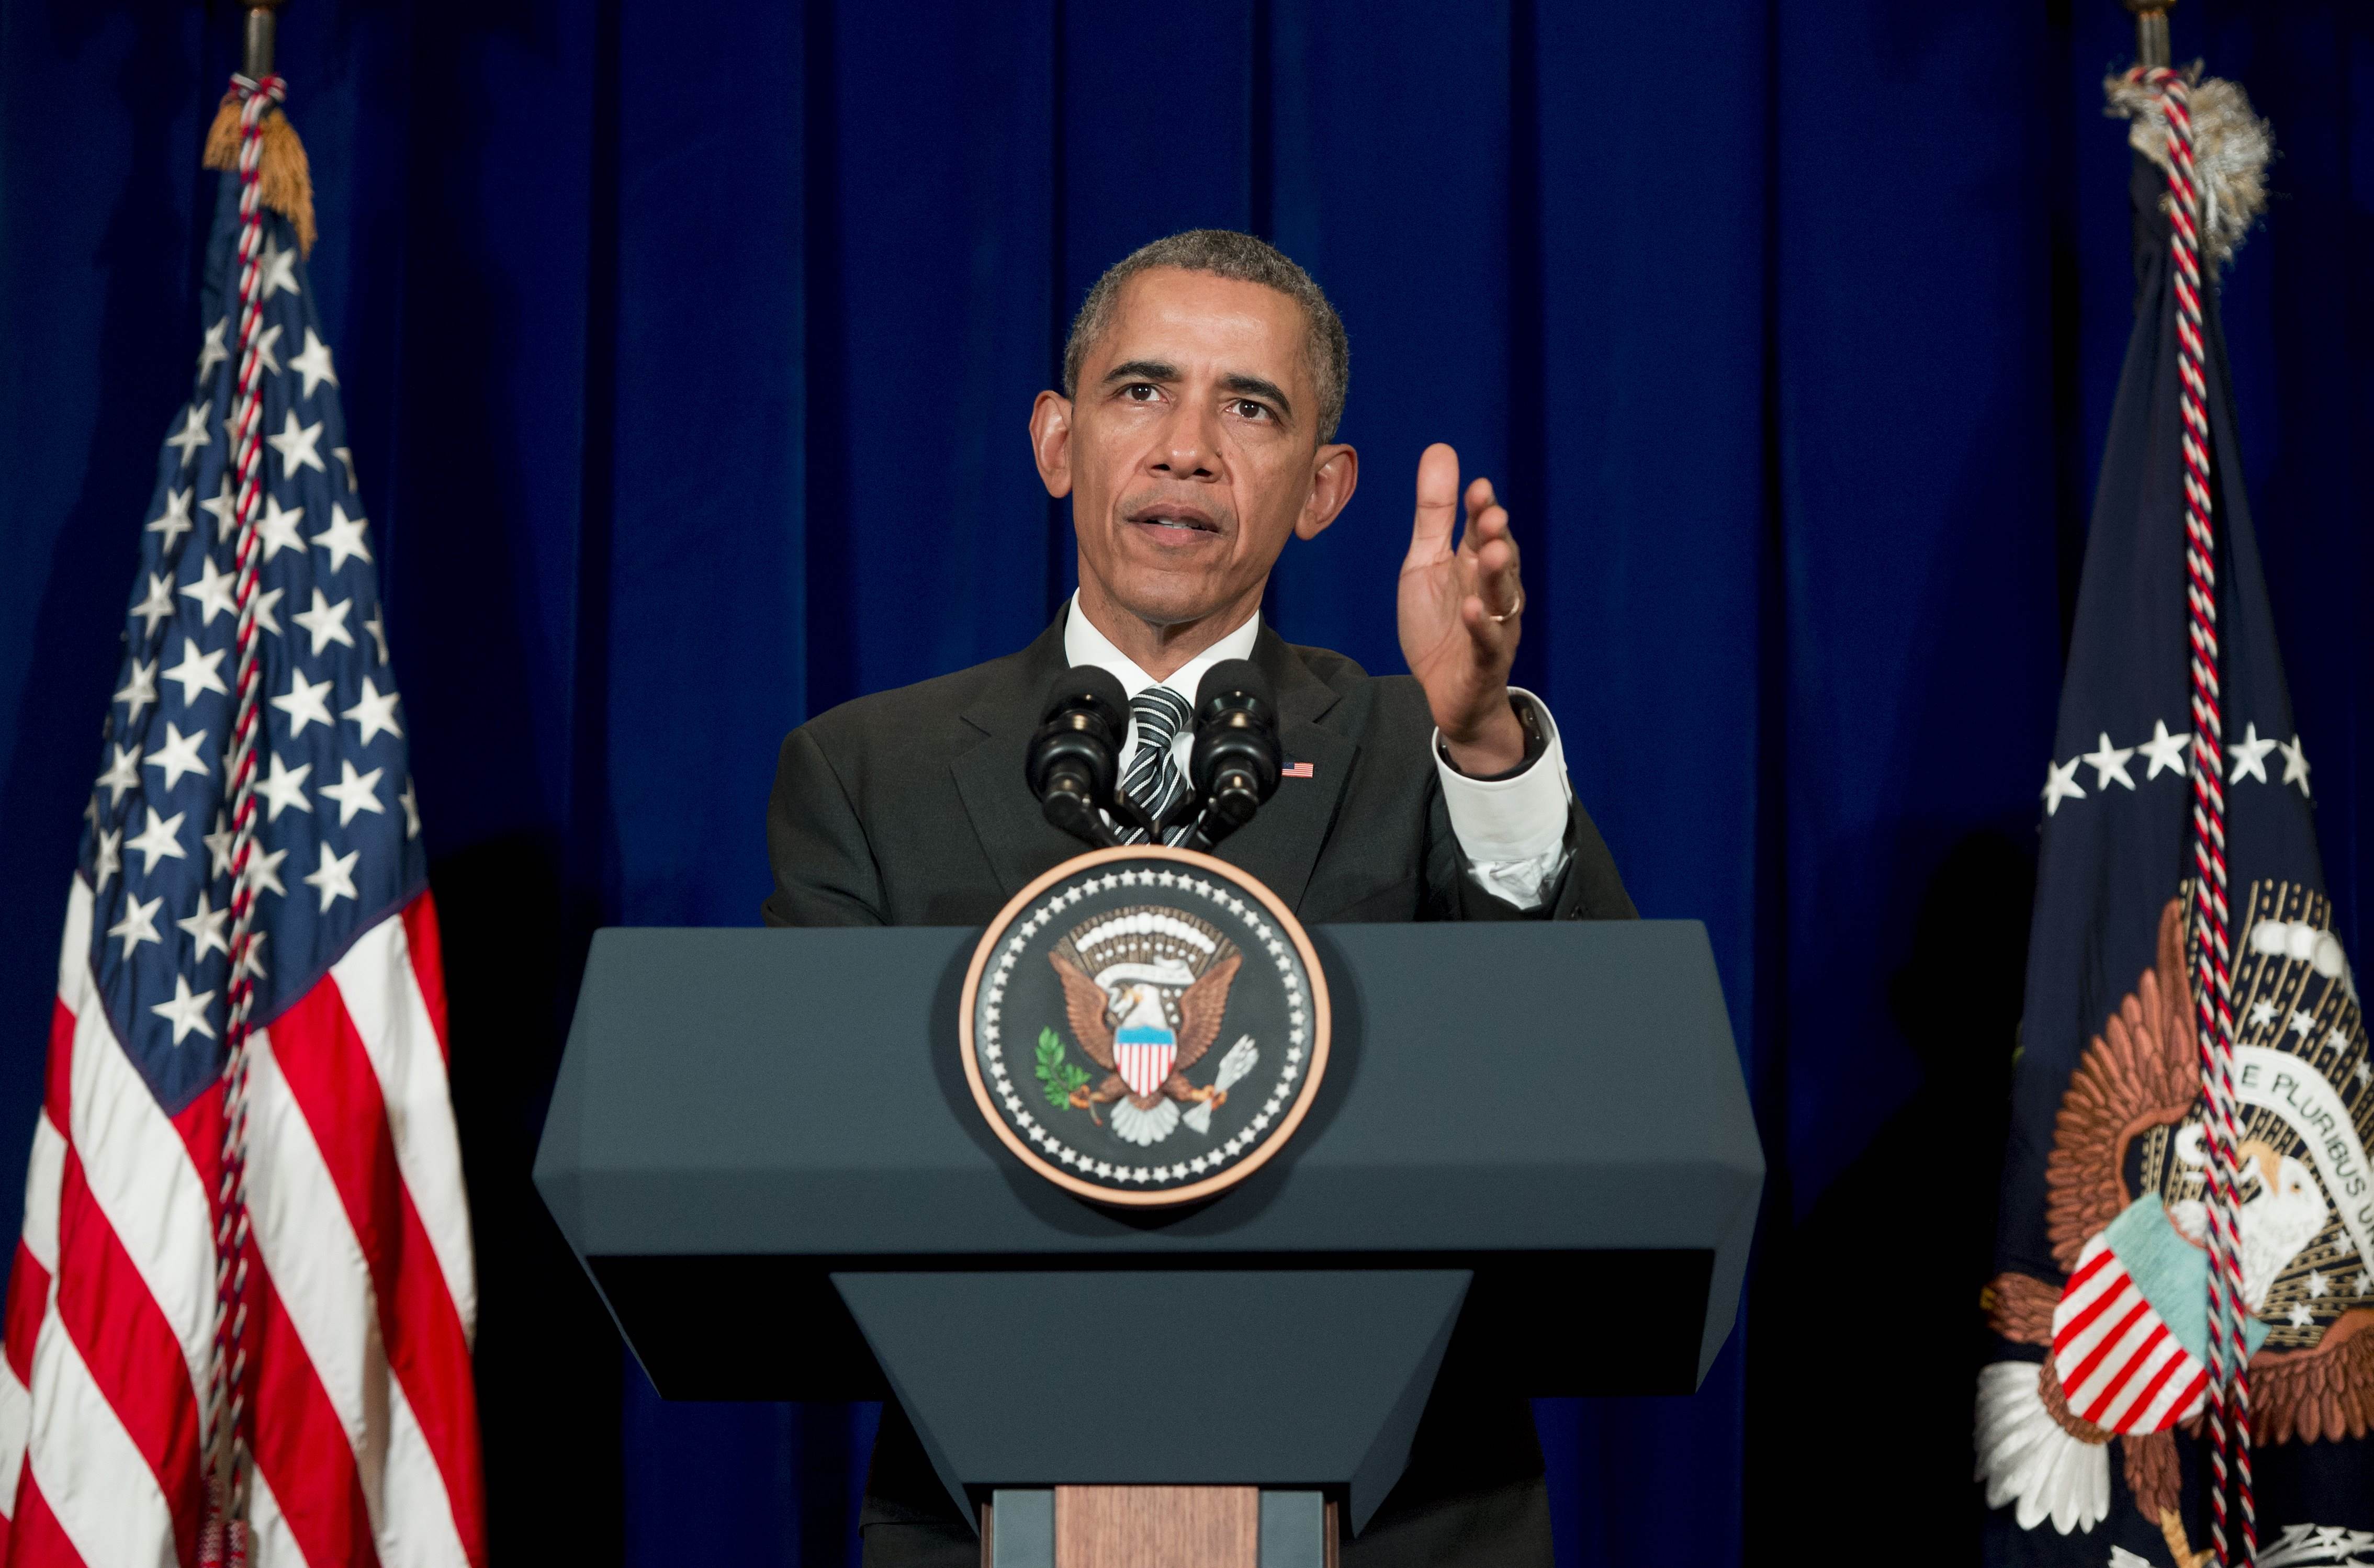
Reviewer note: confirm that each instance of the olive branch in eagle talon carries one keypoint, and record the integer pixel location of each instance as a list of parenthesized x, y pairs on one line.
[(1060, 1079), (1096, 1014)]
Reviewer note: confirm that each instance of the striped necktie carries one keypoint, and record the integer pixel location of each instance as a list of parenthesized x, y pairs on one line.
[(1154, 781)]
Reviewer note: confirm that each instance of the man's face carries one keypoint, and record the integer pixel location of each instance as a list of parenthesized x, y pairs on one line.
[(1190, 447)]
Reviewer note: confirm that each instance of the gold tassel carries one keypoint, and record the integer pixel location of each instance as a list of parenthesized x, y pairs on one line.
[(222, 140), (284, 180)]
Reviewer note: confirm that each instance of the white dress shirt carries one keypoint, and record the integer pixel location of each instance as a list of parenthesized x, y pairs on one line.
[(1512, 830)]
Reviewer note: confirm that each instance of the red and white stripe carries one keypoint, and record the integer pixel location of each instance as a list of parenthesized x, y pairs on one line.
[(361, 1292), (2119, 1366), (1144, 1064)]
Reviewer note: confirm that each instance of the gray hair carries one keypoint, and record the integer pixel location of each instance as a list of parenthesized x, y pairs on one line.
[(1224, 252)]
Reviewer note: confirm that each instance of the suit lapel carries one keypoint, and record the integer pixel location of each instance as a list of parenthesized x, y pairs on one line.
[(1281, 843), (1019, 842)]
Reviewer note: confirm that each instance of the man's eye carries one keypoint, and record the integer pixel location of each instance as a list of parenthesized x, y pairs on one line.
[(1248, 409), (1140, 391)]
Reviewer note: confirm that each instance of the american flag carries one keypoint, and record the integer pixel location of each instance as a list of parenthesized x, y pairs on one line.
[(360, 1296)]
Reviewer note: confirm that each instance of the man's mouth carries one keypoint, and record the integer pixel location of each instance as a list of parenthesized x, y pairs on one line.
[(1180, 519)]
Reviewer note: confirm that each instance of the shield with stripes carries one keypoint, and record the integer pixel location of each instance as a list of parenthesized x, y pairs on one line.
[(2122, 1368), (1143, 1052)]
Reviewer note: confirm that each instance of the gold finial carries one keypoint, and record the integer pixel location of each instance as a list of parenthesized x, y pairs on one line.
[(256, 59), (2151, 32)]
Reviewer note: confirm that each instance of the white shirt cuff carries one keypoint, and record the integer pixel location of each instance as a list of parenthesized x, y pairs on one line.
[(1512, 830)]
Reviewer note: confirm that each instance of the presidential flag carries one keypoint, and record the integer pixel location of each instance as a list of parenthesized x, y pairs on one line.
[(2183, 1362), (278, 1258)]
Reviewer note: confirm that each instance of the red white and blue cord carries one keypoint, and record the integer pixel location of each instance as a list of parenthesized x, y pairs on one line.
[(2213, 981), (228, 1417)]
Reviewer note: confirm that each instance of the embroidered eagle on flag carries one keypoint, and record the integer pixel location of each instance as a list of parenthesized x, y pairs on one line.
[(1144, 989), (2125, 1338)]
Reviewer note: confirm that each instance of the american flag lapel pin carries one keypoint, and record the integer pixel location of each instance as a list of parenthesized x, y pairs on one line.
[(1296, 770)]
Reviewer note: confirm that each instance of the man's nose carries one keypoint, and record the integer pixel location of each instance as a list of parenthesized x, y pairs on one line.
[(1188, 445)]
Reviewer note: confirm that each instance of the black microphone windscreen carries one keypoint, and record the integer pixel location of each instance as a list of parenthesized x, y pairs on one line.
[(1231, 677), (1087, 685)]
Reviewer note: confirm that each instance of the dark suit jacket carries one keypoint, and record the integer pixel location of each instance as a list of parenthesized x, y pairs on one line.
[(909, 808)]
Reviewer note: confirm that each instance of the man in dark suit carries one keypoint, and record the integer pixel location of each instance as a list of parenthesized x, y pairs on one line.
[(1203, 383)]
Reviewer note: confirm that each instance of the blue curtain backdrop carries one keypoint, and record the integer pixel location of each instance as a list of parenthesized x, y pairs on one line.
[(688, 347)]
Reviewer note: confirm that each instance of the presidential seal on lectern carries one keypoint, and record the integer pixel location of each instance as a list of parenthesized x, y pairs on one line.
[(1145, 1025)]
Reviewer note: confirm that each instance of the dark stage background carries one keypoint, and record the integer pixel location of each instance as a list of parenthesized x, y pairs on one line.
[(688, 347)]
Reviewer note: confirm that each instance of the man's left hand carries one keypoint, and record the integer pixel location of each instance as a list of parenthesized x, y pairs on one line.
[(1460, 612)]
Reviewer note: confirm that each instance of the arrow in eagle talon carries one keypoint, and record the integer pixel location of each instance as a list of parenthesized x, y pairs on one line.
[(1233, 1067)]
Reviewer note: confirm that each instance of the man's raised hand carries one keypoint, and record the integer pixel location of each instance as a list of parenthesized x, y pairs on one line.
[(1461, 610)]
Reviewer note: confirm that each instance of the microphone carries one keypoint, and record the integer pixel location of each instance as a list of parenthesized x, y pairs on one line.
[(1235, 761), (1075, 757)]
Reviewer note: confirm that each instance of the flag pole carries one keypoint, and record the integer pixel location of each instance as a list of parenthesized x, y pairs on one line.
[(262, 20), (2151, 33)]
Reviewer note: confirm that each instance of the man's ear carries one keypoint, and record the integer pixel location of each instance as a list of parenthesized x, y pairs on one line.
[(1050, 441), (1333, 480)]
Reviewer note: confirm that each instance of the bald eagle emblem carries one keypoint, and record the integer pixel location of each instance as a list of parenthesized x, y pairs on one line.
[(1144, 989), (1144, 1025), (2124, 1332)]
